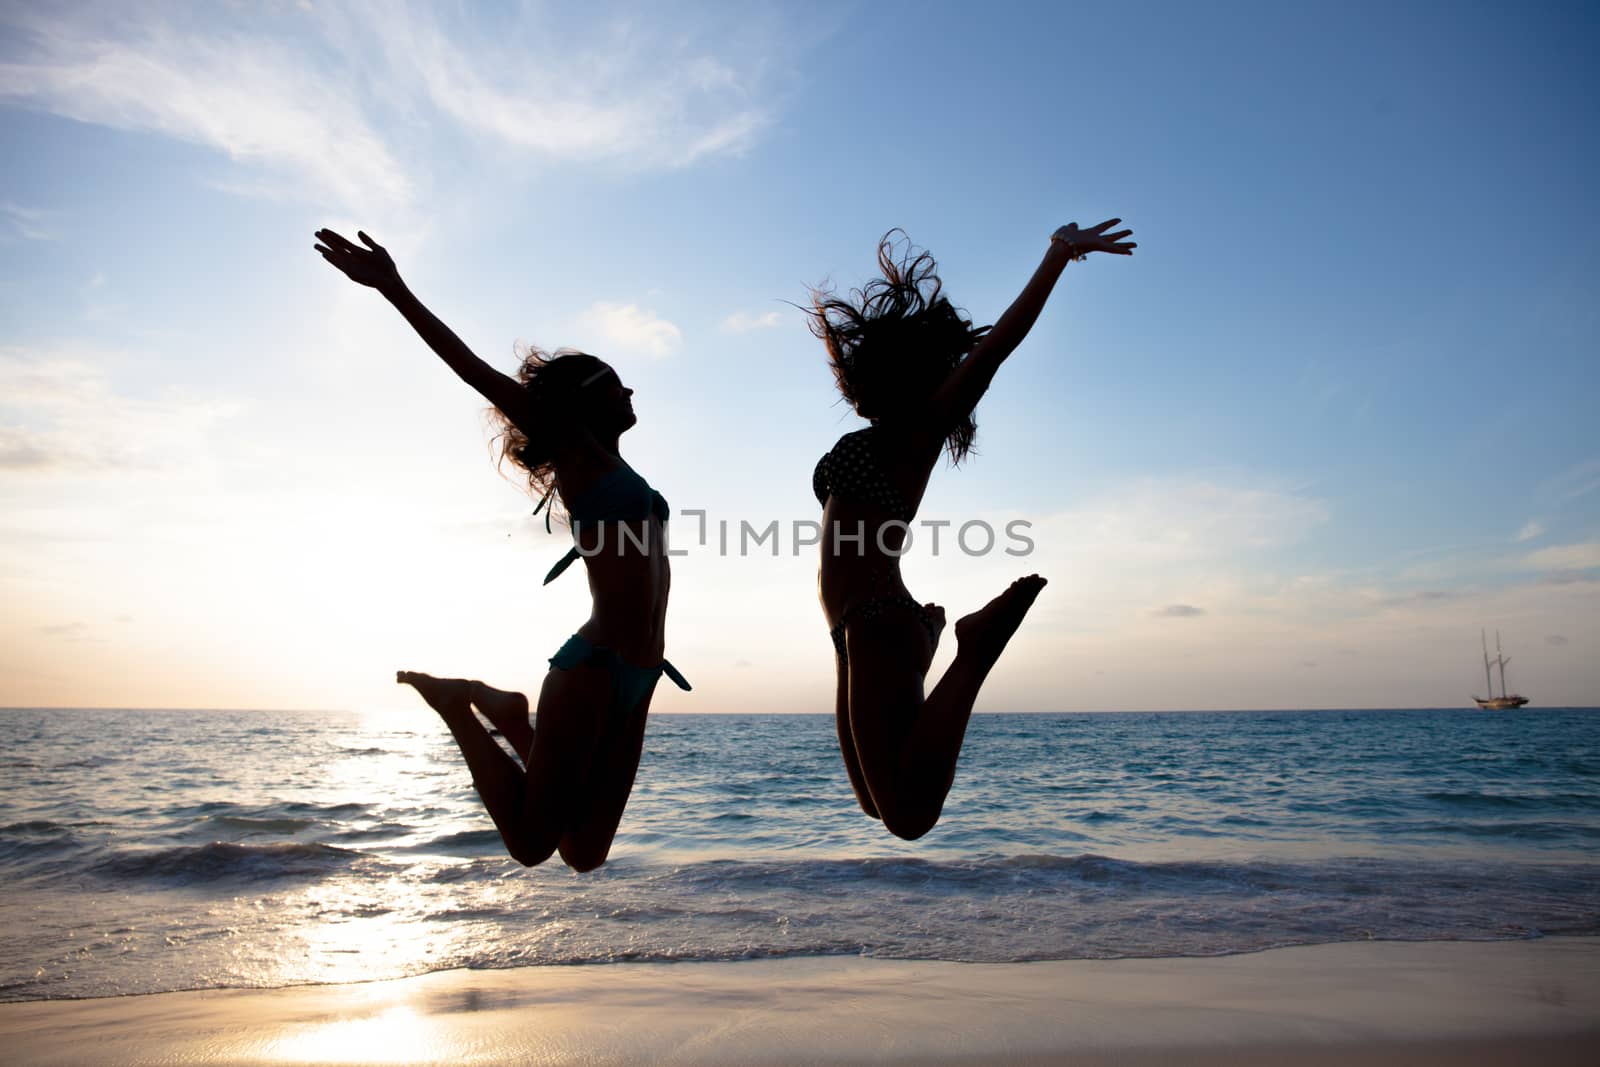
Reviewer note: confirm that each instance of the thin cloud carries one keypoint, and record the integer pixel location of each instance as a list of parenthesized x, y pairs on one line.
[(342, 102), (25, 223), (1129, 549), (626, 90), (1565, 558), (630, 329), (20, 450), (70, 631), (659, 126), (744, 322), (258, 101), (1576, 481), (1420, 596), (1534, 528), (1167, 521), (62, 415)]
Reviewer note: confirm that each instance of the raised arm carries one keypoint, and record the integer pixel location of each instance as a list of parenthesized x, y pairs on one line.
[(968, 382), (373, 267)]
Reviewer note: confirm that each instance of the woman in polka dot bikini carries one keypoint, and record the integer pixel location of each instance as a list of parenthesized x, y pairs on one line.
[(914, 367)]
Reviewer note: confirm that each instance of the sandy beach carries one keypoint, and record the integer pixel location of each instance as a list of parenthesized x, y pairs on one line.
[(1369, 1003)]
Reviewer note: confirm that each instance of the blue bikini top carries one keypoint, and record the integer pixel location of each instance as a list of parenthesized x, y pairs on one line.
[(621, 496)]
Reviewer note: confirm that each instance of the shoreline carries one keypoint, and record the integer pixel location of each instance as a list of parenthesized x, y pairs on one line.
[(1425, 1002)]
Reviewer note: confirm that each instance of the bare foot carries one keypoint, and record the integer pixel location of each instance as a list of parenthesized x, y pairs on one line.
[(983, 634), (501, 708), (448, 696)]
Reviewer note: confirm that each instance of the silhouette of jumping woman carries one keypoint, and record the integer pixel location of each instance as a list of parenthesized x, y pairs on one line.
[(561, 418), (914, 367)]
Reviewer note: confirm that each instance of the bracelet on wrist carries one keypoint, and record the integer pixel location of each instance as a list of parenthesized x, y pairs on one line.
[(1074, 253)]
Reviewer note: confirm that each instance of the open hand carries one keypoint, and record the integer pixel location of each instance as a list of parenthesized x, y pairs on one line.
[(1095, 239), (366, 266)]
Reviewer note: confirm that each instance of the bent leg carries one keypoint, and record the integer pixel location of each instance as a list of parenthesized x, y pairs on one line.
[(569, 731), (933, 625), (885, 701), (529, 807), (530, 832), (608, 783), (847, 741), (508, 713), (908, 745)]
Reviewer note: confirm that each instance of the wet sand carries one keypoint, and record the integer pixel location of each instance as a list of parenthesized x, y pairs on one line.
[(1513, 1002)]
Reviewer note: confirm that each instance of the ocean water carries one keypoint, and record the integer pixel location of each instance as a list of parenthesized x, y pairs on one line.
[(144, 851)]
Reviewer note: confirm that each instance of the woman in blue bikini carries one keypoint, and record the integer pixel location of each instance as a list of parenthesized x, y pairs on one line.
[(915, 367), (561, 419)]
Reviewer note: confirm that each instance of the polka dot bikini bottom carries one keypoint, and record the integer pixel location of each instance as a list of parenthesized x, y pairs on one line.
[(874, 607)]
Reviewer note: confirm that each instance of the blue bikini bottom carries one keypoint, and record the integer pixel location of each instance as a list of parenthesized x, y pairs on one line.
[(629, 683)]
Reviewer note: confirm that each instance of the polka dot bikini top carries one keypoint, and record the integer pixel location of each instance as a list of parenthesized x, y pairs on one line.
[(851, 471)]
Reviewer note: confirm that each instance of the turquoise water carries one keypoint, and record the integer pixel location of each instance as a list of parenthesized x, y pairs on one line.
[(158, 850)]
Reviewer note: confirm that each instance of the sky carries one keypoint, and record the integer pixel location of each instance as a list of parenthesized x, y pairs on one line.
[(1330, 422)]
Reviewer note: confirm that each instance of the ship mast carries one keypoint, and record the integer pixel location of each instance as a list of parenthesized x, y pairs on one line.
[(1501, 659), (1488, 679)]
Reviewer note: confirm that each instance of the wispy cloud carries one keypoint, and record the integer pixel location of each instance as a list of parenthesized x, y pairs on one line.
[(1532, 529), (744, 322), (99, 300), (1565, 558), (1566, 577), (70, 631), (25, 223), (1576, 481), (646, 92), (630, 329), (1119, 561), (258, 100), (60, 414), (1420, 596), (343, 102), (1173, 521), (21, 450)]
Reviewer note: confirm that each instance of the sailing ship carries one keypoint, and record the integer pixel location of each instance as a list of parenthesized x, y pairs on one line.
[(1503, 701)]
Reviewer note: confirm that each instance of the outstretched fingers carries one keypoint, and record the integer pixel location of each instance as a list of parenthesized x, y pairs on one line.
[(1095, 239), (331, 246), (1101, 241), (338, 243), (335, 240), (371, 266)]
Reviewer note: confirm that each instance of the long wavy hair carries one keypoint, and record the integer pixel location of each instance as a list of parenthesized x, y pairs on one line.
[(894, 341), (551, 384)]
